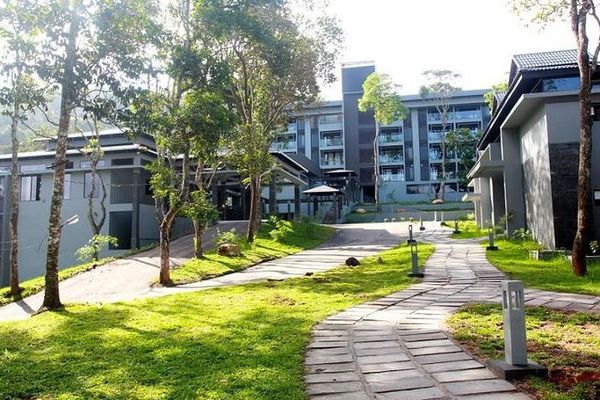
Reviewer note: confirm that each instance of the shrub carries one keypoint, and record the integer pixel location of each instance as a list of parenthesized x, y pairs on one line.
[(230, 237), (595, 247), (280, 229), (522, 235), (95, 244)]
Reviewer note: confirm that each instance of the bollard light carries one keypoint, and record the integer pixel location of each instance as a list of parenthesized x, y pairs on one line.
[(410, 235), (515, 364), (435, 216), (442, 217), (414, 258), (421, 228), (491, 246), (456, 227)]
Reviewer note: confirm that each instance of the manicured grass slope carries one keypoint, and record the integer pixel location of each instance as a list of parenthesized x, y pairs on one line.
[(467, 230), (244, 342), (290, 238), (556, 275), (568, 344)]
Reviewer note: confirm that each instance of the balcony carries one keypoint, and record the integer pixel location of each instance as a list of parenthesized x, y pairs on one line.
[(435, 136), (473, 115), (397, 138), (284, 146), (392, 178), (390, 159), (332, 164), (331, 142), (292, 127)]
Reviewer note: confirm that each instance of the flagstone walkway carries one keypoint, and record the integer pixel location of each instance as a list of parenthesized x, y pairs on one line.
[(397, 347)]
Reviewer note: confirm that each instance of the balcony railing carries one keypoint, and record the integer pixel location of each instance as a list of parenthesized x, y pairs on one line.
[(292, 127), (284, 146), (456, 116), (390, 159), (332, 164), (392, 177), (391, 139), (332, 142), (435, 136)]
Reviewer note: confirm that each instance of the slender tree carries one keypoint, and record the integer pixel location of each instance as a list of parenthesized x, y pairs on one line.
[(86, 43), (578, 13), (440, 89), (18, 99), (276, 57), (380, 95)]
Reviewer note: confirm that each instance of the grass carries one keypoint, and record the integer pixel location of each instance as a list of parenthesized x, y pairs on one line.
[(568, 344), (512, 257), (356, 218), (36, 285), (467, 230), (243, 342), (275, 239)]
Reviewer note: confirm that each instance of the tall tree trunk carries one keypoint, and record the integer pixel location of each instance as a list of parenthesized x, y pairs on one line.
[(165, 249), (198, 231), (51, 295), (376, 164), (15, 290), (253, 219), (584, 188)]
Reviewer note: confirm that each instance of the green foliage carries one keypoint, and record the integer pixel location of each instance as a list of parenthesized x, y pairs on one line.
[(595, 247), (379, 93), (464, 142), (488, 97), (215, 344), (468, 229), (568, 344), (228, 237), (94, 246), (522, 234), (513, 258), (200, 208)]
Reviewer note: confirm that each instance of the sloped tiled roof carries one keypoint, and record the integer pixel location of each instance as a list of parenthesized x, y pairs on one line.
[(499, 96), (546, 60)]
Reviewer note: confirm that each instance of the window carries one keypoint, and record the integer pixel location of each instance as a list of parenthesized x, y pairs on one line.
[(33, 168), (122, 161), (119, 226), (67, 191), (88, 164), (560, 84), (87, 185), (330, 119), (31, 187), (68, 164)]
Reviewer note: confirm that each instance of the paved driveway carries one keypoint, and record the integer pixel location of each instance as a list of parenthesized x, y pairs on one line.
[(130, 278)]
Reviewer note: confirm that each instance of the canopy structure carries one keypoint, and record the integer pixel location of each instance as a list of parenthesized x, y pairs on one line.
[(322, 190), (329, 195)]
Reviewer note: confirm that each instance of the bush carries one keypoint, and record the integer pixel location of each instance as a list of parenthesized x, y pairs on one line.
[(230, 237), (595, 247), (280, 229), (522, 235), (95, 244)]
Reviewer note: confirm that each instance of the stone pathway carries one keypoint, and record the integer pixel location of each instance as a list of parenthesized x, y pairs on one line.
[(397, 348)]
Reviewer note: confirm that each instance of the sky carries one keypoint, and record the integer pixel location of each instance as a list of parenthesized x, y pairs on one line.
[(475, 38)]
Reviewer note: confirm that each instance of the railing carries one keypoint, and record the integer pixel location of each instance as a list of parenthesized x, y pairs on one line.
[(455, 116), (330, 119), (292, 127), (435, 136), (388, 159), (392, 177), (386, 139), (332, 142), (332, 164), (284, 146)]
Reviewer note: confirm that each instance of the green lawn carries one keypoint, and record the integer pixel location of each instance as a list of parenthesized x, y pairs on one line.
[(568, 344), (288, 238), (467, 230), (556, 275), (244, 342)]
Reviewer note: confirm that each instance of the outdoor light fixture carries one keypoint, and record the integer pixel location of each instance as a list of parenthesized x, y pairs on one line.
[(71, 220), (597, 197)]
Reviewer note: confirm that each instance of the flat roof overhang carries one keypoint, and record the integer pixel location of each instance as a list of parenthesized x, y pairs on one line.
[(486, 169), (471, 197)]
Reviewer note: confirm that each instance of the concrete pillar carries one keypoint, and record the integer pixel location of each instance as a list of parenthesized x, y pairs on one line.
[(486, 203), (514, 202), (497, 190), (297, 202), (135, 208), (273, 197), (416, 145)]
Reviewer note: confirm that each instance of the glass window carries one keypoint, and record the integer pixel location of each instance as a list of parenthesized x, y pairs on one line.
[(33, 168), (330, 119), (67, 190), (560, 84), (31, 187), (122, 161), (87, 185), (88, 164)]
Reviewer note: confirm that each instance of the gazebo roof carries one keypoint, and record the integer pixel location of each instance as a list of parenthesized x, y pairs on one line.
[(341, 171), (323, 189)]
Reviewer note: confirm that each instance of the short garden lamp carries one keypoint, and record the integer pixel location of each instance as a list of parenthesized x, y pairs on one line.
[(515, 363), (411, 239), (491, 245), (421, 228), (414, 258), (456, 227)]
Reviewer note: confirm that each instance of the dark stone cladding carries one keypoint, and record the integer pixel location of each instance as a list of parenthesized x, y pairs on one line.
[(564, 158)]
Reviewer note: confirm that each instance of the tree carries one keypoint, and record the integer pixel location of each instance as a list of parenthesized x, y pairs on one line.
[(464, 142), (18, 99), (440, 89), (276, 57), (86, 43), (379, 93), (579, 13), (488, 97)]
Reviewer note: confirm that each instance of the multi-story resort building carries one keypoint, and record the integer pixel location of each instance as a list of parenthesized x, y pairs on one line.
[(329, 143), (527, 167)]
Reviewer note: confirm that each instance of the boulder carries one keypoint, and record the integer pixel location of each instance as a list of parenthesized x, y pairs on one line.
[(437, 201), (352, 262), (360, 211), (229, 250)]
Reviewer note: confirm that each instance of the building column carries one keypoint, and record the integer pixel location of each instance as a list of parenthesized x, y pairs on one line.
[(297, 202), (514, 202), (497, 190), (135, 208), (273, 197), (486, 203)]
